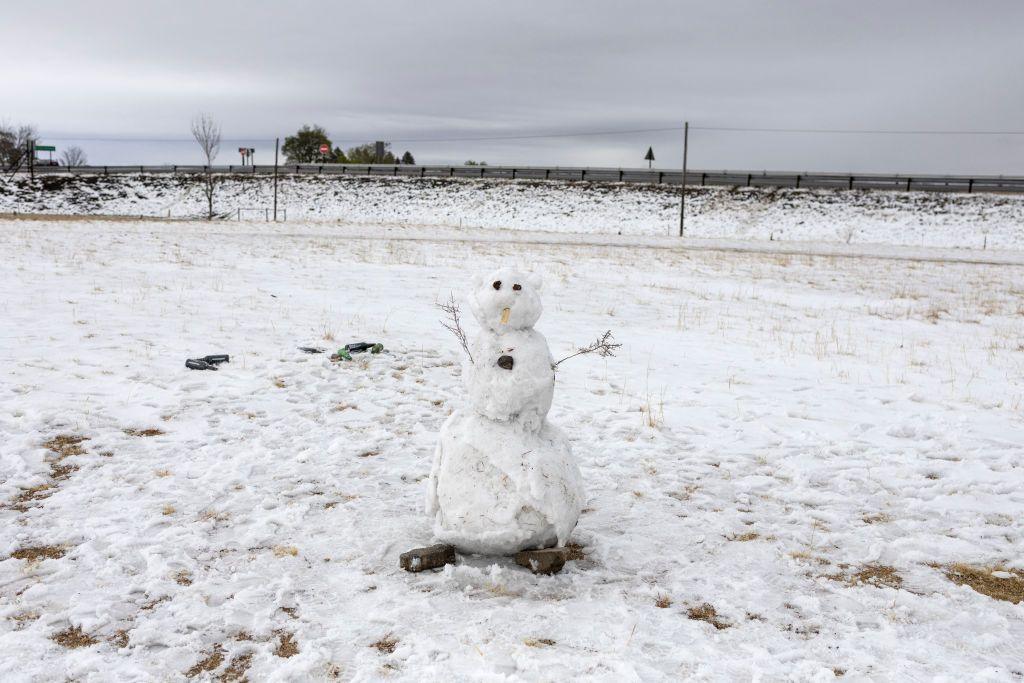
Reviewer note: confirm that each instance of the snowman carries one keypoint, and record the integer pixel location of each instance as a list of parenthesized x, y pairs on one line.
[(504, 479)]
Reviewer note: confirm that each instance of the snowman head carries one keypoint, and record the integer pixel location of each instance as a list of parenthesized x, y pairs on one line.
[(507, 299)]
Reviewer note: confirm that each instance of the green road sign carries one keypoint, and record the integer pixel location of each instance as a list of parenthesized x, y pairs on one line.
[(45, 148)]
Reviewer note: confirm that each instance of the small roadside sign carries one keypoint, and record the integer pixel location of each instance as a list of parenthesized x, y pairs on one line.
[(325, 148), (45, 148)]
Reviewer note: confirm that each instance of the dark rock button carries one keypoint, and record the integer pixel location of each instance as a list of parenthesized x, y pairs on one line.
[(505, 362)]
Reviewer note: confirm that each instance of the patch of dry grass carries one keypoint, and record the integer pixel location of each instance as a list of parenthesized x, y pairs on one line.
[(283, 550), (237, 668), (663, 602), (539, 642), (73, 638), (286, 645), (386, 645), (1009, 588), (66, 445), (877, 575), (151, 431), (706, 612), (574, 551), (743, 538), (39, 552), (209, 663)]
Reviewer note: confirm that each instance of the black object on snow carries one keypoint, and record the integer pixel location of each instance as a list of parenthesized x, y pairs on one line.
[(310, 349), (359, 347), (207, 362)]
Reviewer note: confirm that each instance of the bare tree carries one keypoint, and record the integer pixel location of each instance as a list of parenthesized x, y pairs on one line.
[(73, 156), (206, 131), (14, 145)]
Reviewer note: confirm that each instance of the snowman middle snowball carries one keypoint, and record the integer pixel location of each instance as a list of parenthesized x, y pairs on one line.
[(504, 479)]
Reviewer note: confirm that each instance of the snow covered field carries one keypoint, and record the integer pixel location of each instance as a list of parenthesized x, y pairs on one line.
[(796, 467), (858, 217)]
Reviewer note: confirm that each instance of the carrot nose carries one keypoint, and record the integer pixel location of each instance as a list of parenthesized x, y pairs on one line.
[(505, 313)]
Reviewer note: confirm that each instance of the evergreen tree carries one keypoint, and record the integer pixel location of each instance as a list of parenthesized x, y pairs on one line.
[(408, 159)]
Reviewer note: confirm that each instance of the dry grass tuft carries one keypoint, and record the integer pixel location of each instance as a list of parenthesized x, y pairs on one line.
[(877, 575), (39, 552), (66, 445), (73, 638), (279, 382), (236, 670), (981, 579), (31, 495), (539, 642), (880, 518), (151, 431), (283, 550), (386, 645), (119, 639), (574, 551), (743, 538), (183, 578), (209, 663), (286, 646), (706, 612), (663, 601)]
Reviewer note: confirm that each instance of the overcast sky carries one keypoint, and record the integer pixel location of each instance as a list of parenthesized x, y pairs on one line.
[(417, 71)]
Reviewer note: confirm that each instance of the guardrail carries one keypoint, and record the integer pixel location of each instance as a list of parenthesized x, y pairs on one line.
[(860, 181)]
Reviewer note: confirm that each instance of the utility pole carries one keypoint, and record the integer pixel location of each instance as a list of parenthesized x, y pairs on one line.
[(682, 183), (30, 147), (277, 142)]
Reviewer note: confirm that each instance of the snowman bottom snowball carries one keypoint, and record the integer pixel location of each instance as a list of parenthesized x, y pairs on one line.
[(497, 488)]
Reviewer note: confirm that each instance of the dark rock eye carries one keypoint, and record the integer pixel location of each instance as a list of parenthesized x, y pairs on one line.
[(497, 284), (517, 287)]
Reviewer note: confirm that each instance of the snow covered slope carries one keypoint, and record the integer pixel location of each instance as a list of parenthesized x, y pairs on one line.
[(785, 463), (858, 217)]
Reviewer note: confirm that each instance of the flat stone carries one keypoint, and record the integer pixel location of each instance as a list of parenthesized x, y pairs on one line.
[(432, 557), (549, 561)]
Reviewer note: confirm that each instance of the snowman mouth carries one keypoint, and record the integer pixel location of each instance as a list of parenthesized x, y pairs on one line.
[(505, 313)]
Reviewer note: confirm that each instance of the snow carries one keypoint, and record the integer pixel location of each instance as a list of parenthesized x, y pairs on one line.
[(781, 426), (964, 221)]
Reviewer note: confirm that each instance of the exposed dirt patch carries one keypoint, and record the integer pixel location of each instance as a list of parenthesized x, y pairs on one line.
[(151, 431), (706, 612), (286, 645), (1007, 586), (40, 552), (73, 638), (386, 645)]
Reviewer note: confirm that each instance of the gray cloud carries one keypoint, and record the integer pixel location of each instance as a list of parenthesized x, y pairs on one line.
[(403, 69)]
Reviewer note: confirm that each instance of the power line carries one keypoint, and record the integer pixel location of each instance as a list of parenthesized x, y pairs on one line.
[(857, 131), (538, 136)]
